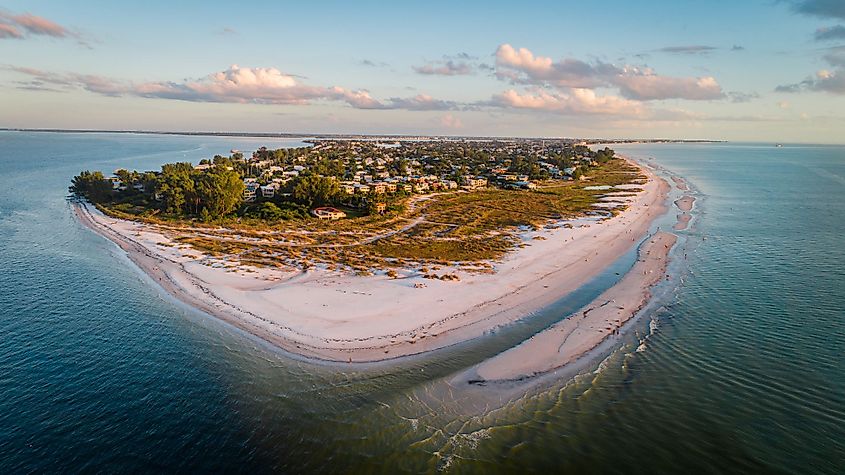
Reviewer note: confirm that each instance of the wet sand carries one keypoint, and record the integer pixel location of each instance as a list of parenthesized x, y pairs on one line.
[(685, 203), (568, 340)]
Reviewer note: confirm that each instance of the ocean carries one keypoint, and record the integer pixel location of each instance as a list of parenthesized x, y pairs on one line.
[(737, 367)]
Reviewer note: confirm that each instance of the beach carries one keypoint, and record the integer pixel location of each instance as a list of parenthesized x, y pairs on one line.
[(575, 336), (335, 316)]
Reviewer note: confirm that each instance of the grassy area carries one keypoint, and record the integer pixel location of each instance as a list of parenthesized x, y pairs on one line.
[(458, 227)]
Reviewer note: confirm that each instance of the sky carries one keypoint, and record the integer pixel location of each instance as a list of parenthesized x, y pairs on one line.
[(748, 70)]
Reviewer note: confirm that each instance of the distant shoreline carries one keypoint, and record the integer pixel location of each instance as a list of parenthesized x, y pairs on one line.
[(326, 136)]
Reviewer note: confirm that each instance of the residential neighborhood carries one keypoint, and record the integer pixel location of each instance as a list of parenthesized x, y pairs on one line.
[(352, 176)]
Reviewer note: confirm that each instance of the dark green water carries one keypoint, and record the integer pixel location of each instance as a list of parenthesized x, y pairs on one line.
[(744, 371)]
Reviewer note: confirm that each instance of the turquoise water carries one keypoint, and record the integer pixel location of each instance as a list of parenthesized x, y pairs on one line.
[(101, 371)]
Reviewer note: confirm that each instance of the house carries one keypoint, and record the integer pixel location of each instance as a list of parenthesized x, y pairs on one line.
[(203, 166), (361, 188), (378, 187), (269, 191), (380, 208), (390, 187), (328, 213), (473, 183), (250, 192), (525, 185), (348, 187)]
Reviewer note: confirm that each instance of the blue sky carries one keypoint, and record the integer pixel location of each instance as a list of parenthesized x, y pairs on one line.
[(760, 70)]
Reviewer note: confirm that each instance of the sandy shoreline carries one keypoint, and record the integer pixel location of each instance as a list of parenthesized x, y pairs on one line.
[(334, 316), (573, 337)]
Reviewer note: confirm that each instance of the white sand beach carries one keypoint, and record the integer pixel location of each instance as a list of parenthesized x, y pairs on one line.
[(575, 336), (333, 315)]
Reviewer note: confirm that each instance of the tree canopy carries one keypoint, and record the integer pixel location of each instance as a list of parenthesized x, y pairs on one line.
[(314, 190)]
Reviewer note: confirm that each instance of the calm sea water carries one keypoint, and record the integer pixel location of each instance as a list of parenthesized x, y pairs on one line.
[(743, 372)]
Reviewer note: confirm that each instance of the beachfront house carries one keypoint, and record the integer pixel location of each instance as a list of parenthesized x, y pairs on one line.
[(328, 213)]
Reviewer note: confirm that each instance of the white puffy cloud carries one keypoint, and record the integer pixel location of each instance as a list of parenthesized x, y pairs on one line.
[(521, 66), (576, 101), (233, 85), (644, 85)]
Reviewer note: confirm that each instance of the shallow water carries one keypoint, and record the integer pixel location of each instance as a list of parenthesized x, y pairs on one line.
[(742, 371)]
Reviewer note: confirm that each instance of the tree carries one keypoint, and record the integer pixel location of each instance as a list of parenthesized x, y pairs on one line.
[(176, 187), (91, 185), (124, 176), (313, 190), (173, 187), (219, 191)]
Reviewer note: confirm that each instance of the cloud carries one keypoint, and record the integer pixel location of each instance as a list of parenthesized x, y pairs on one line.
[(739, 97), (233, 85), (644, 85), (451, 122), (832, 82), (576, 101), (835, 56), (226, 31), (445, 68), (255, 86), (421, 102), (460, 64), (14, 26), (692, 49), (88, 82), (39, 25), (9, 31), (373, 64), (824, 80), (820, 8), (737, 48), (521, 66), (830, 33)]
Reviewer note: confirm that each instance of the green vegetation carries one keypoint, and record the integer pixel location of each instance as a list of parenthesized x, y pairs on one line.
[(221, 206)]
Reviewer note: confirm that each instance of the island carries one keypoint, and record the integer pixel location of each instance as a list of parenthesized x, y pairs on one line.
[(369, 249)]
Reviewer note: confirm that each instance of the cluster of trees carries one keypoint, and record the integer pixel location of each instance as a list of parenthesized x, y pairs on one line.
[(207, 194), (270, 211), (528, 166), (602, 156), (180, 189), (314, 190), (91, 185)]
